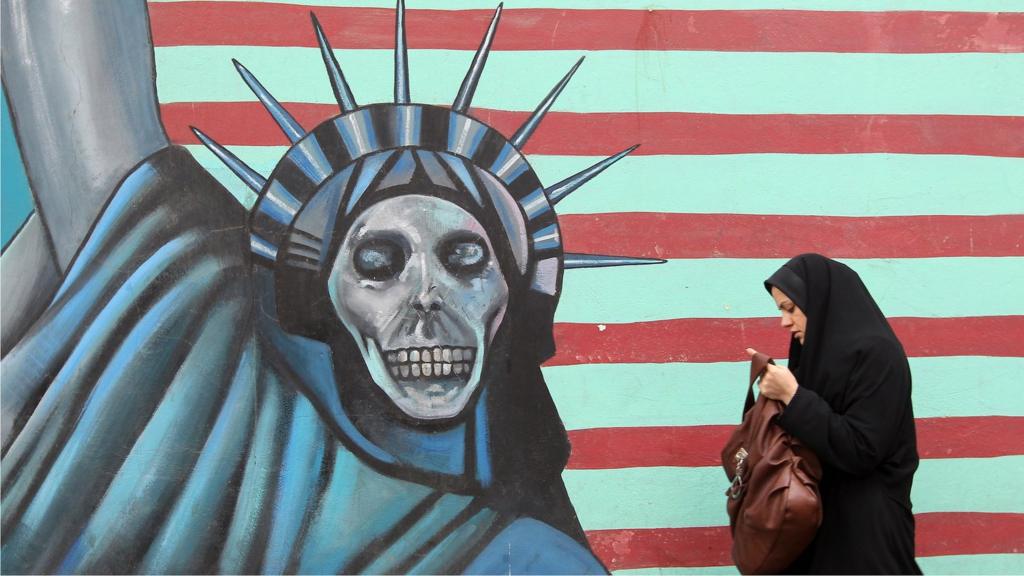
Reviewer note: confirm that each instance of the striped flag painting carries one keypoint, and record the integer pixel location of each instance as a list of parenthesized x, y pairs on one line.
[(886, 133)]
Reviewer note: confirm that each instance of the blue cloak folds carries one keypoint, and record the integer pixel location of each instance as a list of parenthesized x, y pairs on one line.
[(158, 420)]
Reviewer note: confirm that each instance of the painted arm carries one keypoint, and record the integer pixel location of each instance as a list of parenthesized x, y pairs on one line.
[(80, 80)]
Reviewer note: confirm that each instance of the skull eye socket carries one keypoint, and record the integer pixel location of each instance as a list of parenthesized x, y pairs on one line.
[(379, 259), (464, 255)]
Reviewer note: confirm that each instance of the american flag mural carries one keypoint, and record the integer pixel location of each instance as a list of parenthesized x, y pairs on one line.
[(888, 134)]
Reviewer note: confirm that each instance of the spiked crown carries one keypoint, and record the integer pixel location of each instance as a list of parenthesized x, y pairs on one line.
[(349, 152)]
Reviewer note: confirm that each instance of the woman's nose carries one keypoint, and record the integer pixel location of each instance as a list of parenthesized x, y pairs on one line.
[(786, 321)]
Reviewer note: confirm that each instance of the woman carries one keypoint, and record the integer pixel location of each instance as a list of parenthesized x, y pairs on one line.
[(847, 396)]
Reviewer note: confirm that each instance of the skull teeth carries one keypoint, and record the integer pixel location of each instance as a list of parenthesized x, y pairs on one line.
[(424, 369), (436, 362), (435, 354)]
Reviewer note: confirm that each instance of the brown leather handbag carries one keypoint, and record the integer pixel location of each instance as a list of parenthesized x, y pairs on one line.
[(773, 501)]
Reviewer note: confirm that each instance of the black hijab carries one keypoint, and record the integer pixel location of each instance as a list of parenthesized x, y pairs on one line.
[(853, 409), (842, 318)]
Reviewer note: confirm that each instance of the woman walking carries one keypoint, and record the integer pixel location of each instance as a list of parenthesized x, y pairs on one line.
[(847, 396)]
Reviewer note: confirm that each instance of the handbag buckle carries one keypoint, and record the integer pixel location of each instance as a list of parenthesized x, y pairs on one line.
[(736, 488)]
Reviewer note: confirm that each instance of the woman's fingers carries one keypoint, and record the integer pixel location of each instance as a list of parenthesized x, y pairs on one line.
[(764, 384), (774, 381), (771, 383), (778, 383)]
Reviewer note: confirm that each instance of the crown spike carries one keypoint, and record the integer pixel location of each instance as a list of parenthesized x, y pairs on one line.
[(401, 57), (559, 191), (284, 120), (574, 261), (526, 130), (476, 68), (342, 93), (252, 178)]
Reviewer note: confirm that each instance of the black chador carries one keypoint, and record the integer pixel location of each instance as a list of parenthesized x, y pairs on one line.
[(853, 409)]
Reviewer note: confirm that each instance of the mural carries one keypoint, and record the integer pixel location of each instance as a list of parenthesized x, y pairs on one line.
[(294, 302), (366, 398)]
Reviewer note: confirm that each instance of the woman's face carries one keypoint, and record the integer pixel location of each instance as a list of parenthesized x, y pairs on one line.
[(793, 318), (418, 286)]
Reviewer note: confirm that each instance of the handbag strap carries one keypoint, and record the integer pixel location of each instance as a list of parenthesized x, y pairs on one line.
[(758, 363)]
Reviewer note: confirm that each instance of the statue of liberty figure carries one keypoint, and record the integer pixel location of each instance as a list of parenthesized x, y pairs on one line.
[(343, 379)]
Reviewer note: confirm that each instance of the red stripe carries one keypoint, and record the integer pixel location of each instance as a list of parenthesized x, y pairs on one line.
[(229, 23), (597, 134), (724, 339), (938, 534), (622, 549), (664, 235), (685, 446), (949, 533)]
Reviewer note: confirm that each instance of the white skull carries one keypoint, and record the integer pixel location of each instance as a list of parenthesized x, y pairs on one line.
[(418, 286)]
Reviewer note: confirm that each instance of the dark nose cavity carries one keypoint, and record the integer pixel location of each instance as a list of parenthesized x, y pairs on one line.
[(426, 305), (432, 306), (427, 301)]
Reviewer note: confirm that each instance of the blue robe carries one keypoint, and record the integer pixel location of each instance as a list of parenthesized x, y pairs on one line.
[(157, 419)]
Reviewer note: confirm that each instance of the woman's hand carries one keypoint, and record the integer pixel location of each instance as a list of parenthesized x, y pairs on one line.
[(777, 382)]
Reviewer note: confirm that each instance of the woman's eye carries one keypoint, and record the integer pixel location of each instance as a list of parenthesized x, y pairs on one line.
[(379, 260), (464, 256)]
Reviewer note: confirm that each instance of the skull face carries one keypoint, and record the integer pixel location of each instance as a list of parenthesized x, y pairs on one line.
[(418, 286)]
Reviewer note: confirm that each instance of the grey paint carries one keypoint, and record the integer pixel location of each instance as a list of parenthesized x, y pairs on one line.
[(28, 280), (80, 79), (422, 311)]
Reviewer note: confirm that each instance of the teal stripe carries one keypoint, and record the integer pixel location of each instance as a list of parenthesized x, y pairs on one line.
[(969, 484), (732, 288), (965, 564), (16, 196), (622, 81), (819, 184), (973, 564), (262, 159), (691, 497), (826, 184), (648, 497), (614, 395), (854, 5)]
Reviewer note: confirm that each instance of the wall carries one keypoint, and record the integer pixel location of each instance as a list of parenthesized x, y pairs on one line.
[(890, 140)]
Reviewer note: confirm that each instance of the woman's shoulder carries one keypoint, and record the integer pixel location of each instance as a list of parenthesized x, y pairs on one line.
[(879, 354), (877, 346)]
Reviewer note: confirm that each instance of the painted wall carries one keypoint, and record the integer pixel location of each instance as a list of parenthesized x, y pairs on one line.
[(16, 202), (886, 134)]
